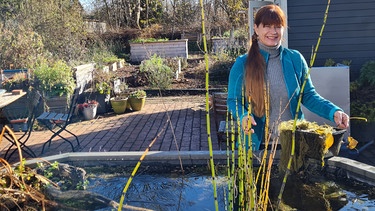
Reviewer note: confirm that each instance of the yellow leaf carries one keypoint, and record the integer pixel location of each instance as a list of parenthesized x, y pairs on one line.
[(352, 142), (329, 141)]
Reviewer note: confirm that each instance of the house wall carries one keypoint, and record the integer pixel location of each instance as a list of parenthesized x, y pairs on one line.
[(349, 33)]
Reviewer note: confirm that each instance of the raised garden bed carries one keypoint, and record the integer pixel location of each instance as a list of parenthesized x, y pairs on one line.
[(171, 48)]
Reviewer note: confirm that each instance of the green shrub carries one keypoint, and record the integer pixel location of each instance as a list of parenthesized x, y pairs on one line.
[(138, 93), (159, 75), (366, 110), (362, 93), (102, 56), (110, 59), (367, 75), (103, 81), (346, 62), (118, 47), (55, 79), (173, 63), (103, 87), (329, 63), (225, 56), (142, 40)]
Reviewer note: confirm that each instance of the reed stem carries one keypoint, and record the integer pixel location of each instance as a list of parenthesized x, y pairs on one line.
[(312, 60)]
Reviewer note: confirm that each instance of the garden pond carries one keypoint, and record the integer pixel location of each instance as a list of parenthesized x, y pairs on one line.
[(168, 188)]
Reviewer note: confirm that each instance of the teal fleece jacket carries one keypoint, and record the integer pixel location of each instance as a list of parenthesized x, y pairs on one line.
[(295, 69)]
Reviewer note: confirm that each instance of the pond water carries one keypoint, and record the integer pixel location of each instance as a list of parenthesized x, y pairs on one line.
[(161, 191), (168, 189)]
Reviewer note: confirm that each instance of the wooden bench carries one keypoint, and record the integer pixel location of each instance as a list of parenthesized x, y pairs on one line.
[(224, 128), (220, 110)]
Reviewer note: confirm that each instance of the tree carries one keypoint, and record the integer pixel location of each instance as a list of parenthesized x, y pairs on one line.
[(60, 24), (41, 28), (20, 46), (137, 12), (9, 9), (233, 9)]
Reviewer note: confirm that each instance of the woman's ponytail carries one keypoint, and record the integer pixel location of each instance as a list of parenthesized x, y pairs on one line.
[(254, 77)]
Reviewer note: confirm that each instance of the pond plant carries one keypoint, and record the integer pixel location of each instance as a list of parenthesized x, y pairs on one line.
[(49, 186), (292, 151)]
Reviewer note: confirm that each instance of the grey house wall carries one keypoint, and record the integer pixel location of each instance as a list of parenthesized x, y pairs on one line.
[(348, 35)]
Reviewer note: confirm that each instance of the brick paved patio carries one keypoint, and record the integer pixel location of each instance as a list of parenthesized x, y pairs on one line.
[(134, 131)]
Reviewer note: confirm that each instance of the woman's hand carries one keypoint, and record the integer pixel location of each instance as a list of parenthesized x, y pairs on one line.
[(245, 127), (341, 119)]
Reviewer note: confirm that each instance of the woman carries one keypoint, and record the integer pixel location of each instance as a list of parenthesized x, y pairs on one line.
[(269, 69)]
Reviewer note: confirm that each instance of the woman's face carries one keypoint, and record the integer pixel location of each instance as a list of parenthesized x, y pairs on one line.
[(269, 35)]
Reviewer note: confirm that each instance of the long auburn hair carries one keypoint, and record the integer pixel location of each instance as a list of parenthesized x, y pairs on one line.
[(255, 63)]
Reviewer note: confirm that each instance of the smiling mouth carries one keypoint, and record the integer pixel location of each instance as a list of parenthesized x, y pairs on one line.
[(273, 38)]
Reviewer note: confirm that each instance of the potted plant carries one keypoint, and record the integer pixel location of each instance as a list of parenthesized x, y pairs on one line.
[(101, 89), (118, 104), (88, 109), (18, 81), (120, 100), (137, 99)]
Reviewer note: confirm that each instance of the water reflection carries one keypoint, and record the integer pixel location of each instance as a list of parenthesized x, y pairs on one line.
[(166, 189)]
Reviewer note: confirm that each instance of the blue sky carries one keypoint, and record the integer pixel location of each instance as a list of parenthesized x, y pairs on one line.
[(86, 4)]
